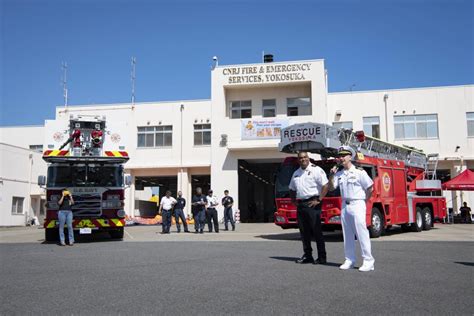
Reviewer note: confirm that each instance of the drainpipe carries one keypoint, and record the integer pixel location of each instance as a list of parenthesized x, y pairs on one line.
[(385, 98)]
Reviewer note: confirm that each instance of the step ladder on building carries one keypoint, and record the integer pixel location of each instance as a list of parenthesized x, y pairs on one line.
[(431, 166)]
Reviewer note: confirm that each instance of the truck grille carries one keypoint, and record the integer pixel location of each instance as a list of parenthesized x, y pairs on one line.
[(87, 205)]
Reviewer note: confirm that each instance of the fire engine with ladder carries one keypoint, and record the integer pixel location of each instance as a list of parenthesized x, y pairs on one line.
[(406, 191), (85, 155)]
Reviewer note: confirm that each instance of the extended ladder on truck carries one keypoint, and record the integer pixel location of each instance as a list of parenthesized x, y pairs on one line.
[(325, 139)]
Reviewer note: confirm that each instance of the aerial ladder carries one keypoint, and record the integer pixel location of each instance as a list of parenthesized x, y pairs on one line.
[(325, 139)]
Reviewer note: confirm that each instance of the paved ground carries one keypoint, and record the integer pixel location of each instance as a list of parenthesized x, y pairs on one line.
[(415, 275), (248, 232)]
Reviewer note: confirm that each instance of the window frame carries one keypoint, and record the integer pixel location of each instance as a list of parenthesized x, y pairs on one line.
[(201, 131), (15, 206), (468, 120), (269, 107), (342, 122), (238, 105), (150, 136), (371, 126), (412, 121), (298, 107), (36, 148)]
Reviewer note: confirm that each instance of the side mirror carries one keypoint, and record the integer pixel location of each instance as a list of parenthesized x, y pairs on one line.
[(41, 181), (128, 180)]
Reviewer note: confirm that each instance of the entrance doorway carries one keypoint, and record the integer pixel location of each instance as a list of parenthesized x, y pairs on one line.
[(202, 181), (257, 190), (162, 184)]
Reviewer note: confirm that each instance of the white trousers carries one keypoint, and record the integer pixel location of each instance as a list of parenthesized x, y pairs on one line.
[(354, 223)]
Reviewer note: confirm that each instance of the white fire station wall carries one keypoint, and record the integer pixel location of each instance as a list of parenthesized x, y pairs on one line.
[(449, 103), (19, 170), (158, 114), (22, 136)]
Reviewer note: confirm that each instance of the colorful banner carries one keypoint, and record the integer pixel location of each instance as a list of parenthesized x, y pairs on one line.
[(262, 129)]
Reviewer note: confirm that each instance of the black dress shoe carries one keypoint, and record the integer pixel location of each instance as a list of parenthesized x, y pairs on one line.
[(320, 261), (304, 260)]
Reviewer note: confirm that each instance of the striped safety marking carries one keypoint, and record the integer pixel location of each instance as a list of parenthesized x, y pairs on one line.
[(116, 153), (56, 153), (89, 223)]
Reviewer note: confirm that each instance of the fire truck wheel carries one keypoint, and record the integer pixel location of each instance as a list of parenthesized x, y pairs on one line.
[(427, 219), (116, 234), (376, 227), (417, 226), (51, 235)]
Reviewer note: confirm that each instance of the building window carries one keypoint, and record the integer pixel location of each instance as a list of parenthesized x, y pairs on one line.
[(372, 126), (269, 108), (155, 136), (37, 148), (298, 106), (17, 205), (202, 134), (416, 126), (470, 123), (240, 109), (347, 125)]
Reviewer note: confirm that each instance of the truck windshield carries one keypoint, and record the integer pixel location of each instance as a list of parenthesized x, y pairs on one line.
[(84, 176), (283, 177)]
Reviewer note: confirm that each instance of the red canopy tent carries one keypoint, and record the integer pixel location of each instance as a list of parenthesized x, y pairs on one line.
[(462, 182)]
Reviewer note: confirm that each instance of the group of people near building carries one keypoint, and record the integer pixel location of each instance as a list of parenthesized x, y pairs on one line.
[(203, 210)]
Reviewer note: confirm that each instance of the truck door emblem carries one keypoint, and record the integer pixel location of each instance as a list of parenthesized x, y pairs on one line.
[(386, 181)]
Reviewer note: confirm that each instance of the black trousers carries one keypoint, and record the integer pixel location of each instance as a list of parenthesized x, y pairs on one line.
[(309, 222), (179, 214), (228, 216), (211, 215)]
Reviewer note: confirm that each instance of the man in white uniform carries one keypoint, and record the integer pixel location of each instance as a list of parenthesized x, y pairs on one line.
[(308, 186), (166, 207), (356, 188), (211, 212)]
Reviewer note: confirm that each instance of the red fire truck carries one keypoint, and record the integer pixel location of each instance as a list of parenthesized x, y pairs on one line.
[(94, 175), (406, 191)]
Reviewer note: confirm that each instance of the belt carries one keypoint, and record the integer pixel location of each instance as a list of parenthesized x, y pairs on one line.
[(309, 199), (351, 201)]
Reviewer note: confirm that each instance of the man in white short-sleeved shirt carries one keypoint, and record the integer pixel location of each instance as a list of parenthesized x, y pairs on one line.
[(308, 186), (166, 207), (356, 188)]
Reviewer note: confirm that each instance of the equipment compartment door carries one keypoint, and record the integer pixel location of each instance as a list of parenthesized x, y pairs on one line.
[(400, 207)]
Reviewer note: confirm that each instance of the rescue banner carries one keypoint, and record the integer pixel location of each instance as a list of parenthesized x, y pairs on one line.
[(262, 129)]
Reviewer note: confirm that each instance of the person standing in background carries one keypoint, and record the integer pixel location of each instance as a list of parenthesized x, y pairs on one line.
[(228, 202), (179, 212), (65, 216)]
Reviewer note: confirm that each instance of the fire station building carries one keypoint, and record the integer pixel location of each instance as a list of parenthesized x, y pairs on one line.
[(231, 141)]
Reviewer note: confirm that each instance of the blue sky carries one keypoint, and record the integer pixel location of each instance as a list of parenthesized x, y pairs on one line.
[(372, 44)]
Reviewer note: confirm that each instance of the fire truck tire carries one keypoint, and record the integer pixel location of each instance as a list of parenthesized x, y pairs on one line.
[(427, 218), (51, 235), (417, 226), (376, 226), (117, 234)]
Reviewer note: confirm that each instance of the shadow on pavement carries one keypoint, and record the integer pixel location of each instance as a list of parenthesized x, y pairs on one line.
[(469, 264), (293, 259), (84, 239), (328, 237)]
